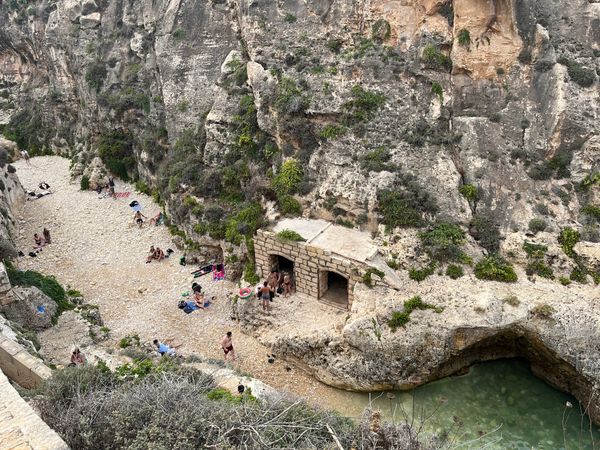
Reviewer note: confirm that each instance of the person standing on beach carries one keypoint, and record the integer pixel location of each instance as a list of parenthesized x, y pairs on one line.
[(227, 346), (46, 233), (111, 187), (25, 156)]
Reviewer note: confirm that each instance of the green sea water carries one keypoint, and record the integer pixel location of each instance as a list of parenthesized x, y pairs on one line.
[(497, 405)]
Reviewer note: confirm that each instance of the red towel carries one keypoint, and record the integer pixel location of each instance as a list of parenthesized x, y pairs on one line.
[(122, 194)]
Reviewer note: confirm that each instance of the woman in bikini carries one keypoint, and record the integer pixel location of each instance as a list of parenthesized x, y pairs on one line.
[(287, 285)]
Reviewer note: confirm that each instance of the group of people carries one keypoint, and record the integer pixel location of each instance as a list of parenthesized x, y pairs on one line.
[(169, 345), (155, 254), (277, 283), (138, 219), (41, 241)]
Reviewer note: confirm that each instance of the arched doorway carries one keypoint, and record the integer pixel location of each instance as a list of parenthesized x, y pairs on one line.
[(333, 288), (281, 263)]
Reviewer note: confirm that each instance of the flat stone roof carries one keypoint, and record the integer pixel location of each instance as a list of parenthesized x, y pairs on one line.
[(346, 242)]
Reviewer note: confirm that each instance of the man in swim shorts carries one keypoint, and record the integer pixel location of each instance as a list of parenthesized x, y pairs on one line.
[(227, 346)]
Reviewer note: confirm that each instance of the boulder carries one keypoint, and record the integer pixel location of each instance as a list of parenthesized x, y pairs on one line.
[(29, 308), (590, 253), (88, 7), (96, 173), (137, 44), (90, 21)]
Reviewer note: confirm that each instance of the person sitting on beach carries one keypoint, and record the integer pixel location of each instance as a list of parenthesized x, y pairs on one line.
[(138, 218), (163, 348), (46, 234), (196, 287), (39, 242), (157, 219), (44, 186), (200, 300), (77, 358), (151, 254), (159, 255)]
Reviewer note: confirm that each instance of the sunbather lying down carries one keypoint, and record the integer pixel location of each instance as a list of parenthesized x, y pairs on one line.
[(32, 195), (167, 347)]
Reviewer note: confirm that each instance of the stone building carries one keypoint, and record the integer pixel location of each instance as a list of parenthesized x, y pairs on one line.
[(326, 265)]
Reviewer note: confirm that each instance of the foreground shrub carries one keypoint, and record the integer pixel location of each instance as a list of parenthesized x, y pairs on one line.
[(495, 268), (171, 406), (443, 242), (567, 239), (290, 235)]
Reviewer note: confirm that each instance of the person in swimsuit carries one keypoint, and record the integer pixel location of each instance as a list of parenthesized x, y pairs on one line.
[(77, 358), (287, 284), (39, 242), (151, 254), (227, 346), (137, 218), (265, 295), (159, 255), (199, 300)]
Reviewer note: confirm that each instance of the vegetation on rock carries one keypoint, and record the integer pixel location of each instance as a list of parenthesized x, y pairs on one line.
[(401, 318), (495, 268)]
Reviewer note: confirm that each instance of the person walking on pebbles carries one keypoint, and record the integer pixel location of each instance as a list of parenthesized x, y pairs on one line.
[(227, 346), (46, 234)]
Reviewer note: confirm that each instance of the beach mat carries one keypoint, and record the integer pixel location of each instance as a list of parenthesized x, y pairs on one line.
[(122, 194)]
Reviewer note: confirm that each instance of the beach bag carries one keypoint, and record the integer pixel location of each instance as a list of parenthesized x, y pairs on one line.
[(279, 290)]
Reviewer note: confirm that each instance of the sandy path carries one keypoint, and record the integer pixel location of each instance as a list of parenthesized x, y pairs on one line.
[(96, 251)]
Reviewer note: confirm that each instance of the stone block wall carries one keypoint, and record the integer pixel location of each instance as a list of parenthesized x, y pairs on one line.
[(311, 264), (20, 366), (20, 427)]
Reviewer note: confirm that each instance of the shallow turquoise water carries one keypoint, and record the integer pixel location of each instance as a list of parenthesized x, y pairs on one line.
[(500, 395)]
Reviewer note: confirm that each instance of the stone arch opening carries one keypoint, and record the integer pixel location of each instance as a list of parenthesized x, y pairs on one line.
[(333, 288), (281, 263)]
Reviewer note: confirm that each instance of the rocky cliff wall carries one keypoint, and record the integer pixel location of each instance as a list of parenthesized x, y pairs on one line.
[(499, 94)]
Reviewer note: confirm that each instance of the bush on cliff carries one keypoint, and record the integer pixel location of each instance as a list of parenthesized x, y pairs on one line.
[(495, 268)]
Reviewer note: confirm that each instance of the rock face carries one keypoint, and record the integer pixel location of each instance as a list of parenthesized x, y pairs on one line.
[(29, 307), (555, 328)]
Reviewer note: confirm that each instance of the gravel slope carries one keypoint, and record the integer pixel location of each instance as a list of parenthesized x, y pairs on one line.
[(97, 251)]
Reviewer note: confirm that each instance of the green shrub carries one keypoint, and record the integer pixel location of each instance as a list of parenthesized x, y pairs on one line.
[(332, 131), (392, 264), (579, 274), (401, 318), (95, 75), (367, 276), (543, 311), (142, 187), (290, 98), (464, 37), (565, 281), (377, 160), (469, 192), (592, 211), (535, 250), (436, 88), (381, 30), (567, 239), (28, 130), (443, 241), (537, 225), (129, 340), (454, 271), (495, 268), (397, 210), (47, 284), (290, 235), (435, 59), (289, 205), (84, 184), (289, 18), (179, 34), (579, 74), (421, 274), (288, 178), (115, 148), (538, 267), (512, 300), (485, 232), (363, 105), (335, 44)]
